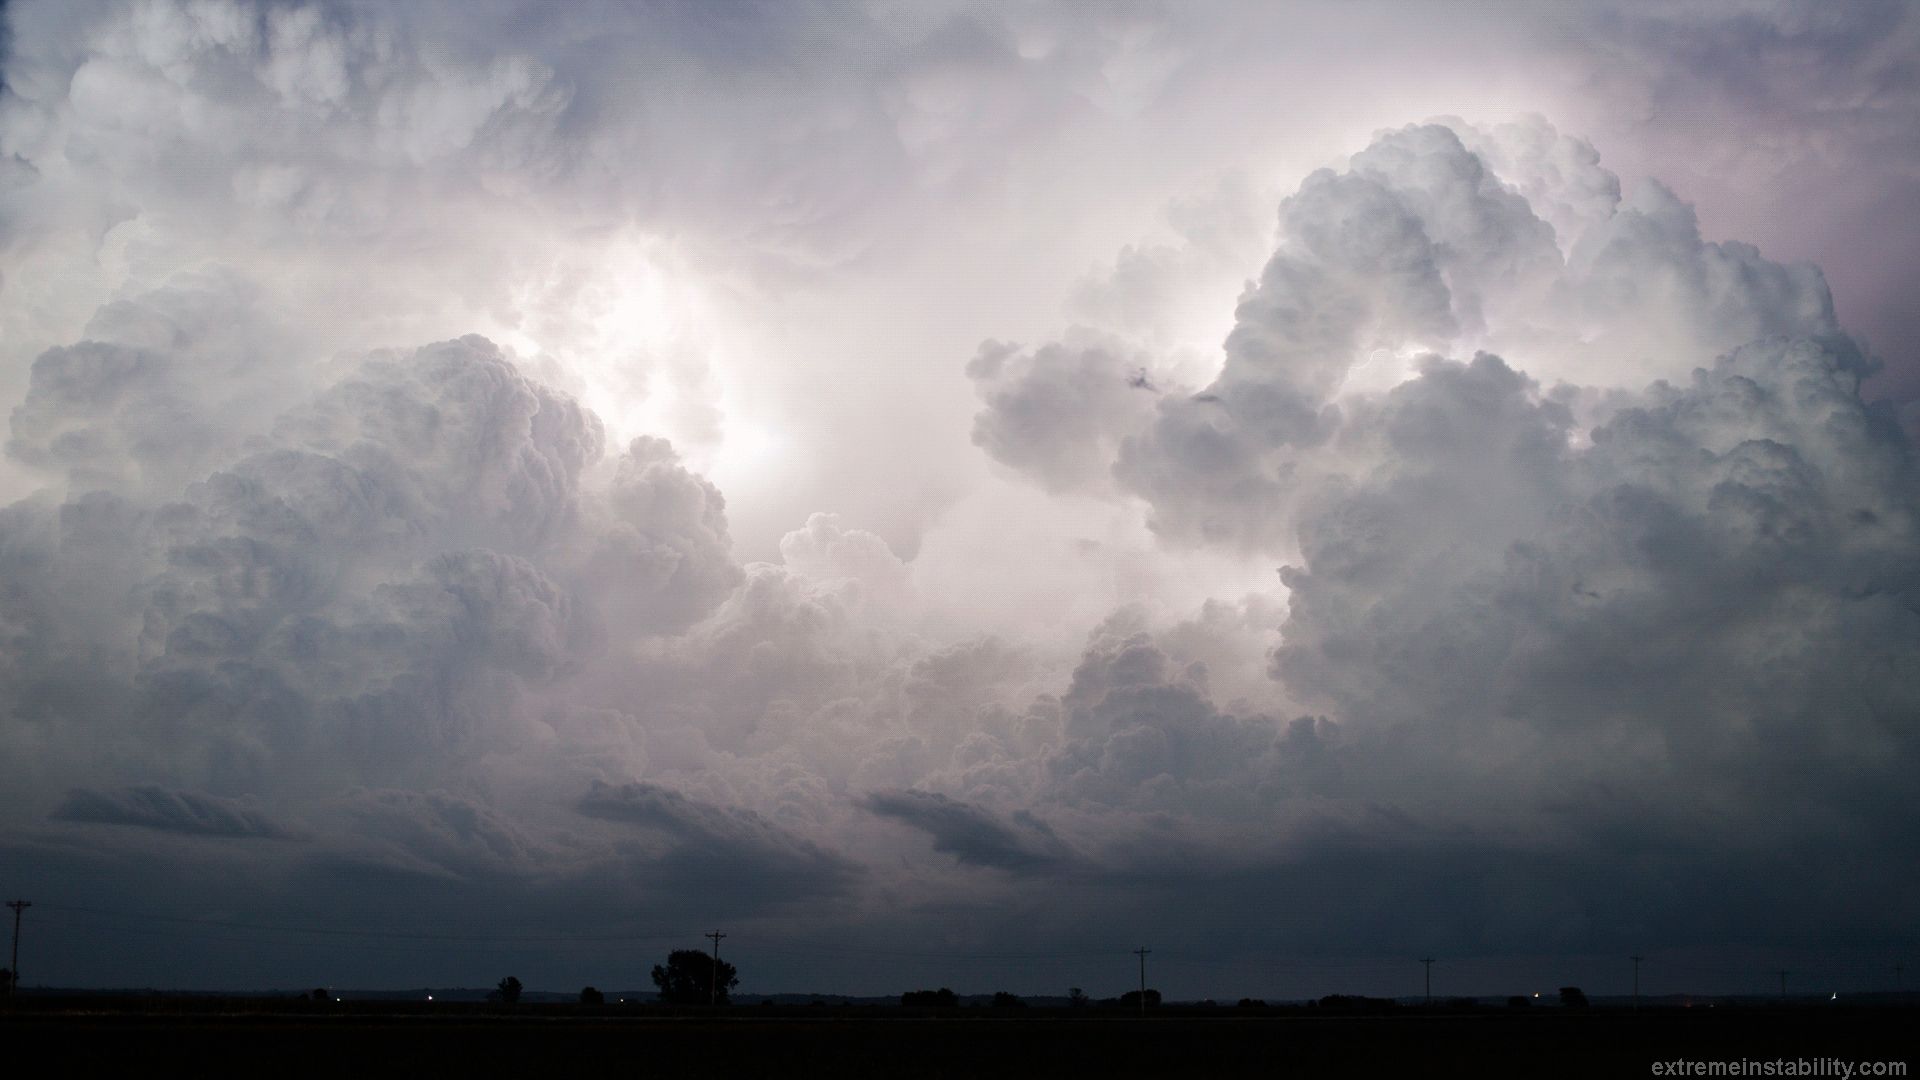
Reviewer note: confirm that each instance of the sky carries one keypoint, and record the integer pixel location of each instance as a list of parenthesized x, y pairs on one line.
[(949, 494)]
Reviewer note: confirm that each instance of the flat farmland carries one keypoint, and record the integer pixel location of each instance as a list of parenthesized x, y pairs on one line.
[(891, 1043)]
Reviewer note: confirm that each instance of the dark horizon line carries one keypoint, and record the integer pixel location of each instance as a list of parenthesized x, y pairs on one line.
[(469, 995)]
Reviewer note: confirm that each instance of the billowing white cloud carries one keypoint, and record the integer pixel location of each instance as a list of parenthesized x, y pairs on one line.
[(662, 557), (631, 469), (1418, 247), (1657, 594)]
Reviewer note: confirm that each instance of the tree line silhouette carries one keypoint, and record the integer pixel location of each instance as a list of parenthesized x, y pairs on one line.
[(692, 977)]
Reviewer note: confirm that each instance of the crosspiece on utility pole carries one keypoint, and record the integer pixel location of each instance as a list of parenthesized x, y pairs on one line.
[(1142, 952), (18, 906), (1428, 961), (713, 980)]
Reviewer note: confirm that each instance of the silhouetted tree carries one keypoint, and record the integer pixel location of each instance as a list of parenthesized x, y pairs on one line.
[(1519, 1001), (1004, 1000), (320, 993), (1131, 999), (1573, 997), (1076, 997), (508, 991), (1253, 1003), (942, 998), (690, 978), (590, 996)]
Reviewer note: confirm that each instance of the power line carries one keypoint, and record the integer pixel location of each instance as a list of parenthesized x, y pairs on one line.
[(13, 979), (1142, 952), (713, 982), (411, 940), (803, 948)]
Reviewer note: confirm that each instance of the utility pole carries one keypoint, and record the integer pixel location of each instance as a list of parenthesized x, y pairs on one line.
[(713, 980), (1142, 952), (1636, 981), (1783, 983), (18, 906), (1428, 961), (1899, 983)]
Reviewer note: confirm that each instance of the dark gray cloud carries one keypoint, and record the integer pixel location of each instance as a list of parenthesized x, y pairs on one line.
[(1022, 845), (723, 851), (1141, 730), (149, 806), (1705, 598), (437, 835)]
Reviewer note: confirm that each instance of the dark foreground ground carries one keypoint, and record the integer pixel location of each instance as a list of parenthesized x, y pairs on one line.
[(747, 1042)]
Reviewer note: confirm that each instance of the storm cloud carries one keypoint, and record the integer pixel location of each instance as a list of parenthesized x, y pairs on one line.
[(919, 484), (148, 806), (970, 835)]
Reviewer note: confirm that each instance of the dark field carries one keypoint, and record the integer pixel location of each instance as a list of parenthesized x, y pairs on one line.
[(749, 1042)]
